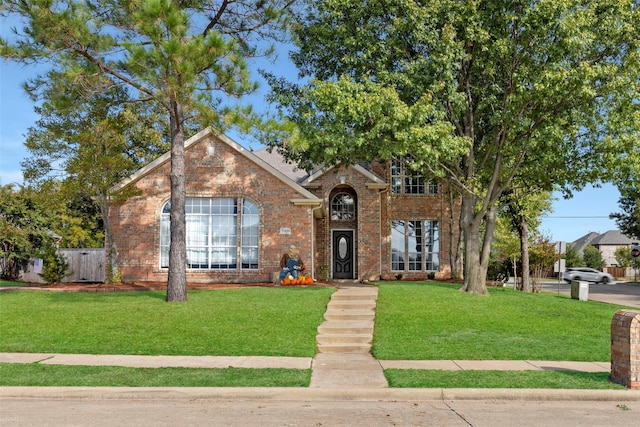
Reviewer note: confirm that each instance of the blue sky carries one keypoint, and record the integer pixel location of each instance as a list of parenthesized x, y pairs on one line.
[(587, 211)]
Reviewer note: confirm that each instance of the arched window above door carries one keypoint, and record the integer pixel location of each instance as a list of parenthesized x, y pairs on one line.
[(343, 207)]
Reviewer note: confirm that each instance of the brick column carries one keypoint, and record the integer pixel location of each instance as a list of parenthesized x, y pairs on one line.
[(625, 349)]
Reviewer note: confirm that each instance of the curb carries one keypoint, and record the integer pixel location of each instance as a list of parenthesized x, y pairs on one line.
[(310, 394)]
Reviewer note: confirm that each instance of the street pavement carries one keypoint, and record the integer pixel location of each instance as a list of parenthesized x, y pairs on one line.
[(620, 293), (141, 407)]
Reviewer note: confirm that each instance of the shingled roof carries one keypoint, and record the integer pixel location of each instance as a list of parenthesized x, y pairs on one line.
[(609, 238), (584, 241), (612, 237)]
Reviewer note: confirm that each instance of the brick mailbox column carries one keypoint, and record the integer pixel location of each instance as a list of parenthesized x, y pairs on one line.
[(625, 349)]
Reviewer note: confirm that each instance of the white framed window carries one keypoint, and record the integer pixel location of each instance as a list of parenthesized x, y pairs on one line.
[(405, 180), (222, 233), (415, 245), (343, 207)]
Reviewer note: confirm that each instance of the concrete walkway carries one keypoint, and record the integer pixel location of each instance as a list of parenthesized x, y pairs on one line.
[(344, 339), (343, 360), (321, 361)]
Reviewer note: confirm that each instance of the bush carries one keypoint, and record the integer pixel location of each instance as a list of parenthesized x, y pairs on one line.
[(593, 258), (54, 266), (573, 257)]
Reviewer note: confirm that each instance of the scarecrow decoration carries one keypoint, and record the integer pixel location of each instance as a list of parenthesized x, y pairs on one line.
[(292, 266)]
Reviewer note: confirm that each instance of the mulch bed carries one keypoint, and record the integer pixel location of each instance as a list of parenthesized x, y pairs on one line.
[(145, 286)]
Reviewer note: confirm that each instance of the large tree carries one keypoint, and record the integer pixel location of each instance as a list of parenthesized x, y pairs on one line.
[(491, 95), (628, 221), (524, 214), (188, 57), (24, 228)]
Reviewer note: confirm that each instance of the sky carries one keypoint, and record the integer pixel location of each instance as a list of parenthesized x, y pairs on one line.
[(571, 219)]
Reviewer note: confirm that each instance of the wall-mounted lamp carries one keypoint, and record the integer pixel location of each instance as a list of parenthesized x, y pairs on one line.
[(342, 179)]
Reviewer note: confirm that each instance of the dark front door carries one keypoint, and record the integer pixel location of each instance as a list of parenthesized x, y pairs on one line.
[(342, 244)]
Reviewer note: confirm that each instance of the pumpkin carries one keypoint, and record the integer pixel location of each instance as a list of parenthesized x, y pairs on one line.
[(309, 280), (286, 281)]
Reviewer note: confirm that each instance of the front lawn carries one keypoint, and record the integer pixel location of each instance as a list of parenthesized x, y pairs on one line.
[(12, 283), (229, 322), (15, 374), (412, 378), (434, 321), (414, 321)]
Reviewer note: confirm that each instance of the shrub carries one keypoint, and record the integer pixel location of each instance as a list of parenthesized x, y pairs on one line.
[(54, 266), (573, 257), (593, 258)]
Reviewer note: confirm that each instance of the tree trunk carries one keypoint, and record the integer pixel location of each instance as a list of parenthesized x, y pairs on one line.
[(177, 279), (524, 251), (475, 276), (455, 242), (111, 271)]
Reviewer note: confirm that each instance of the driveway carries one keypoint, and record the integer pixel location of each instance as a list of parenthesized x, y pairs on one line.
[(621, 293)]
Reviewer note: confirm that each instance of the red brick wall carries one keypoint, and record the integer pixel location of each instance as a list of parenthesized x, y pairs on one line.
[(136, 223), (625, 349), (375, 210), (366, 226), (227, 173), (415, 207)]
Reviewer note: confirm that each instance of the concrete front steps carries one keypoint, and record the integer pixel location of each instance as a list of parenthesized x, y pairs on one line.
[(349, 319), (344, 357)]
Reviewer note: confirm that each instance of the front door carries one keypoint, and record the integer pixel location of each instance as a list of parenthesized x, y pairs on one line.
[(342, 244)]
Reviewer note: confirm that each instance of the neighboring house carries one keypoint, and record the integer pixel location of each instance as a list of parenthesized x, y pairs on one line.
[(244, 210), (606, 243)]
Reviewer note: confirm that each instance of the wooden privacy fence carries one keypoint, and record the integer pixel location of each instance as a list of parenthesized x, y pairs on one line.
[(618, 272), (85, 265)]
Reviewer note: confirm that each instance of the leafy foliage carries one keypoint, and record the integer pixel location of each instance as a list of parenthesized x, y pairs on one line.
[(188, 59), (628, 221), (624, 258), (573, 257), (23, 229), (55, 266), (489, 95), (593, 258), (542, 255)]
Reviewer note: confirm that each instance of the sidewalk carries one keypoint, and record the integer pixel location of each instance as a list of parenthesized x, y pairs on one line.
[(135, 361)]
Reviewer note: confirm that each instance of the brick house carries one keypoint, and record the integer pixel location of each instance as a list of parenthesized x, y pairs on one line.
[(244, 210), (607, 243)]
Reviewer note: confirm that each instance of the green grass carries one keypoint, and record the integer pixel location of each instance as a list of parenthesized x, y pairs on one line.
[(414, 321), (406, 378), (112, 376), (230, 322), (418, 321), (11, 283)]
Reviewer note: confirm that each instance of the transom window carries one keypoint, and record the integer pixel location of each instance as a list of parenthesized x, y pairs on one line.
[(405, 180), (222, 233), (415, 245), (343, 207)]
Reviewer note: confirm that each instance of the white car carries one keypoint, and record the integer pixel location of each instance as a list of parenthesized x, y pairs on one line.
[(586, 274)]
